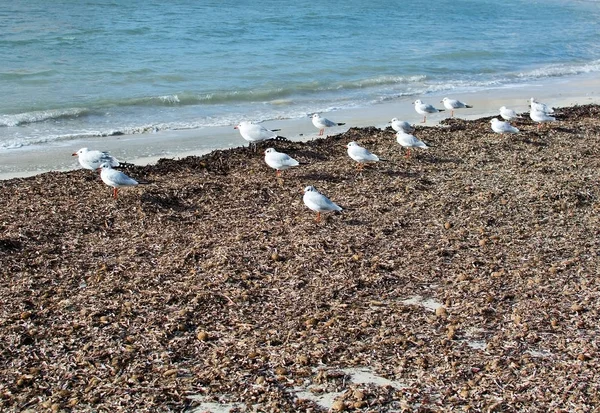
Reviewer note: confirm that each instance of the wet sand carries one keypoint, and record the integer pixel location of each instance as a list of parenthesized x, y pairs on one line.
[(465, 275)]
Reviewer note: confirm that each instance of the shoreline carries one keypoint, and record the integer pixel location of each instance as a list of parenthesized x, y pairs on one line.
[(146, 149)]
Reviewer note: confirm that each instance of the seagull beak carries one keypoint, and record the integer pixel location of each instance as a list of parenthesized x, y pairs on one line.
[(75, 154), (235, 127)]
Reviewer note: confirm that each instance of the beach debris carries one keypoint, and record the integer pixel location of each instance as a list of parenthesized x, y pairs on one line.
[(211, 282), (452, 104), (322, 123)]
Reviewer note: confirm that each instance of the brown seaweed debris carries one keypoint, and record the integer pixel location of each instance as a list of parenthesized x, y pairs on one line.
[(172, 290)]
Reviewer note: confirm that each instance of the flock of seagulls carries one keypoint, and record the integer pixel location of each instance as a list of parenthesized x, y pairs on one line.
[(313, 199)]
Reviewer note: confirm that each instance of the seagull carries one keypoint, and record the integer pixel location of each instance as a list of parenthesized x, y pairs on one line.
[(540, 107), (540, 117), (115, 178), (409, 141), (508, 114), (361, 155), (318, 202), (322, 123), (402, 125), (279, 160), (93, 159), (255, 133), (452, 104), (502, 127), (424, 109)]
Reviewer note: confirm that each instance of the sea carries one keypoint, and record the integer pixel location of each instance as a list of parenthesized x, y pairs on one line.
[(75, 70)]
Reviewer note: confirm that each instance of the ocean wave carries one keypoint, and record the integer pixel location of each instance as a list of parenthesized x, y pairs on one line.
[(277, 95), (25, 74), (559, 70), (47, 137), (40, 116)]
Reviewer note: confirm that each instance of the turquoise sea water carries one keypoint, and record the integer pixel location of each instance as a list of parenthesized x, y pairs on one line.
[(75, 69)]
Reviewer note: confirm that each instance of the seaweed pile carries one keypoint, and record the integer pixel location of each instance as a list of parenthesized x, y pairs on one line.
[(215, 279)]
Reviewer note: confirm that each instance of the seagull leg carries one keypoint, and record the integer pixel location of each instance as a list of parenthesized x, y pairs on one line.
[(321, 132), (318, 217), (278, 173), (407, 153), (424, 119), (115, 190), (452, 113)]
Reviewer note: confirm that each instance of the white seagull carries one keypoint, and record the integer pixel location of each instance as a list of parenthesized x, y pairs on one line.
[(361, 155), (93, 159), (116, 179), (279, 160), (322, 123), (452, 104), (540, 117), (540, 107), (502, 127), (424, 109), (508, 114), (318, 202), (255, 133), (408, 141), (402, 125)]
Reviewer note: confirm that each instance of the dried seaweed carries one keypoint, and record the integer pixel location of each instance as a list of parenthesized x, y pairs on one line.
[(215, 279)]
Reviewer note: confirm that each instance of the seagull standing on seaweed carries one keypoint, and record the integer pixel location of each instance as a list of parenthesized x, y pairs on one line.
[(318, 202), (279, 161), (406, 140), (116, 179), (255, 133), (361, 155)]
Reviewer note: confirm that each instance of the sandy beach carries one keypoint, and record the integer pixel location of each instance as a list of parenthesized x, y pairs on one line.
[(148, 148), (462, 278)]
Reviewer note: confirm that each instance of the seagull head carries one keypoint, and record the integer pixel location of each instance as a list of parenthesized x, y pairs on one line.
[(417, 102), (352, 144), (104, 165), (315, 116), (80, 152), (270, 150), (310, 189)]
